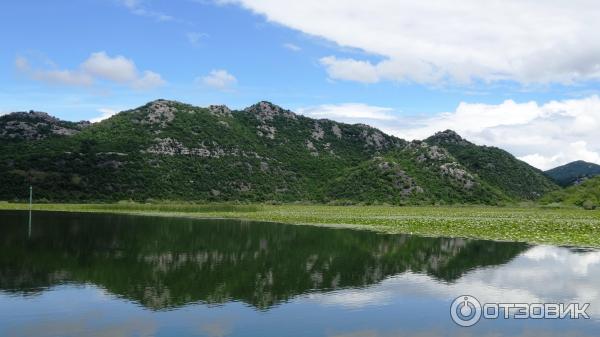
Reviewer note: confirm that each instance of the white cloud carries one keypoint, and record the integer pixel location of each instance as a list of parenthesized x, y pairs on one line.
[(291, 47), (137, 7), (98, 66), (219, 79), (349, 112), (351, 70), (118, 68), (532, 41), (65, 77), (149, 80), (105, 113), (544, 135), (578, 150)]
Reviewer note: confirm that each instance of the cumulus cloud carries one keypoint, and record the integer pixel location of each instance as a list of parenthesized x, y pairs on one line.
[(148, 80), (543, 135), (118, 68), (219, 79), (98, 66), (65, 77), (431, 41)]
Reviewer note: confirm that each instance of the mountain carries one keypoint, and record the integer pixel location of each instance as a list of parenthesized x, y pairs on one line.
[(500, 169), (34, 125), (174, 151), (586, 195), (573, 173)]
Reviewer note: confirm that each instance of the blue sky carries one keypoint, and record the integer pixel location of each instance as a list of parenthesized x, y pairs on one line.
[(87, 58)]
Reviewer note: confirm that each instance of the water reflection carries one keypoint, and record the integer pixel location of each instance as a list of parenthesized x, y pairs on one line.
[(29, 225), (542, 274), (163, 263), (106, 275)]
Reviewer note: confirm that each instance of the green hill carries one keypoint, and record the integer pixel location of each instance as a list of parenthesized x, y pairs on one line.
[(586, 194), (573, 173), (35, 125), (173, 151), (500, 169)]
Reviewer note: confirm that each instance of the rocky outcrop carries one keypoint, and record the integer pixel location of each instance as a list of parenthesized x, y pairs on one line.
[(336, 131), (311, 147), (172, 147), (431, 153), (318, 132), (35, 125), (267, 131), (160, 112), (447, 137), (266, 111), (377, 139), (401, 180), (219, 110), (458, 174)]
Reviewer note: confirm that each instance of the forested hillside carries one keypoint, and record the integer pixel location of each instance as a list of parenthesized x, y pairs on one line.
[(168, 150)]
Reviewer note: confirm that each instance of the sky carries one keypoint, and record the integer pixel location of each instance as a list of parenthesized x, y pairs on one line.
[(522, 75)]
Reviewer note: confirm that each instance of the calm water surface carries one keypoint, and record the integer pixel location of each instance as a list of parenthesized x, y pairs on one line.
[(115, 275)]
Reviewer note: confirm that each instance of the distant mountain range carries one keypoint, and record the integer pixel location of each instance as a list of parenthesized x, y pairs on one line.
[(573, 173), (169, 150)]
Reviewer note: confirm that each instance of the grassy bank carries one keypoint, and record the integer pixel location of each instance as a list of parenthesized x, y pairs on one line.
[(528, 224)]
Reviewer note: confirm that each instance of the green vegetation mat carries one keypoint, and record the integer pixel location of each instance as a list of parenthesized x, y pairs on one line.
[(573, 227)]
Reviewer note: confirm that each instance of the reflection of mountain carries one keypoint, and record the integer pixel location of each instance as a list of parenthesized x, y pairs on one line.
[(164, 262)]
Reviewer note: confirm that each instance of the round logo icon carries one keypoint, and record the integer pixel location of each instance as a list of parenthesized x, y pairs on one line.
[(465, 310)]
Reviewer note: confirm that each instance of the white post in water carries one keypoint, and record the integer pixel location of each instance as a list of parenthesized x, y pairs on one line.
[(30, 207)]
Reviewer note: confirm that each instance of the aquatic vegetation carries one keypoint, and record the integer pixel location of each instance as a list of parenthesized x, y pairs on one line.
[(560, 226)]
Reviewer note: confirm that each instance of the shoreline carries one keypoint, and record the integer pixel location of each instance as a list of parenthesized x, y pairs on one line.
[(534, 225)]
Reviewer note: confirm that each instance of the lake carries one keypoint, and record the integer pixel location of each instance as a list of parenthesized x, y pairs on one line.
[(72, 274)]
